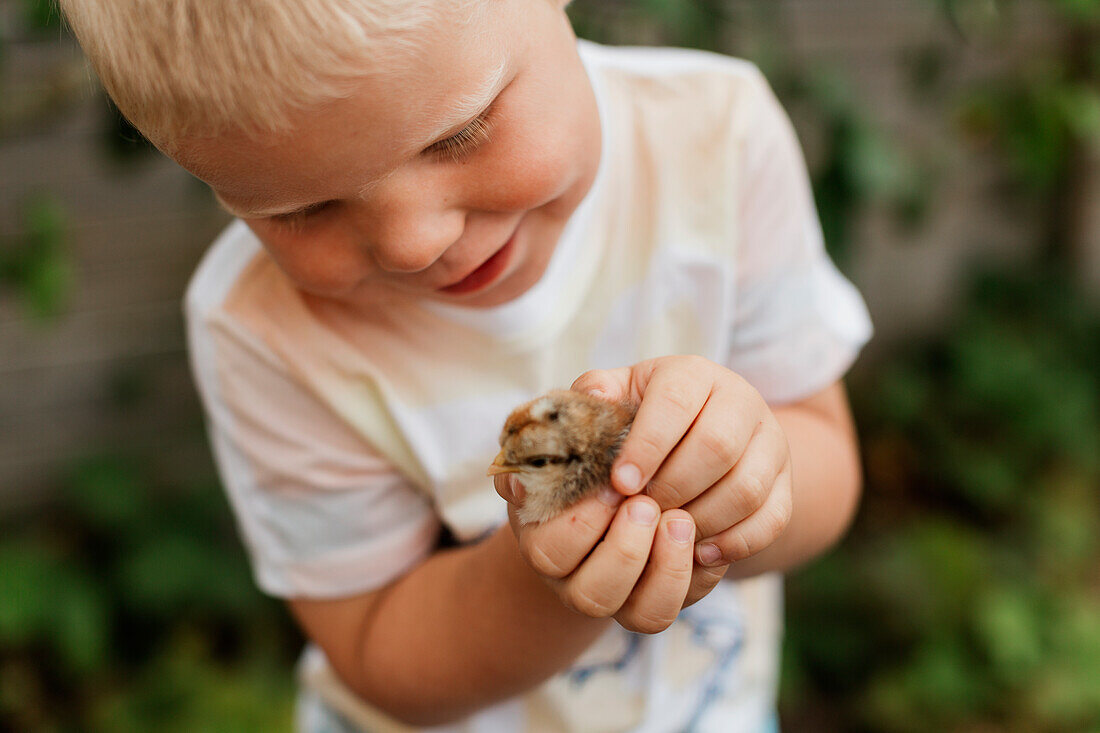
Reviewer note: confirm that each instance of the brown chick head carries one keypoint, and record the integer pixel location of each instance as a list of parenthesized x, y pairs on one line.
[(561, 447)]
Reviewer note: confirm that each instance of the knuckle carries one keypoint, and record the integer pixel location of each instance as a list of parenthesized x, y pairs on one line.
[(754, 491), (720, 445), (781, 514), (679, 397), (630, 553), (586, 604), (542, 562), (647, 623), (647, 444), (590, 524), (662, 492), (694, 362), (737, 547)]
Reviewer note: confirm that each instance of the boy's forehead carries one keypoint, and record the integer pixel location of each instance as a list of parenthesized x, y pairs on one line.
[(389, 114)]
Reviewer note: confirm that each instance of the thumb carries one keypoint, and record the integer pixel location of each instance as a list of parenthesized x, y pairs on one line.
[(607, 384)]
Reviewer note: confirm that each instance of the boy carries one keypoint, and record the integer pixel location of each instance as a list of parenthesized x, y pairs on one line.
[(449, 208)]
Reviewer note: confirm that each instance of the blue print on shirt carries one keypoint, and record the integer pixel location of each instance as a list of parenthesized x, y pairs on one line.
[(725, 636), (722, 634), (579, 675)]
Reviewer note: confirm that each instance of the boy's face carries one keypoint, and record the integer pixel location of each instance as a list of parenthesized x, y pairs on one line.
[(449, 175)]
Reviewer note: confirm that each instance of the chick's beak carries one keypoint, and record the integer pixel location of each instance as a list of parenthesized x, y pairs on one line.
[(500, 466)]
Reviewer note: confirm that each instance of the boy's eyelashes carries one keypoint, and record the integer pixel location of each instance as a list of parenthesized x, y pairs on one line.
[(299, 216), (465, 141)]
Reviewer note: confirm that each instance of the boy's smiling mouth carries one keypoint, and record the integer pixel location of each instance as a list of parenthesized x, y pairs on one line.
[(486, 273)]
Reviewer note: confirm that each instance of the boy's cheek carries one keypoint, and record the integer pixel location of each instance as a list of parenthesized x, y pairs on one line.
[(320, 264), (528, 175)]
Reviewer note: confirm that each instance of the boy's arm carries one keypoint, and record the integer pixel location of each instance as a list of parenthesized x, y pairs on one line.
[(472, 626), (468, 627)]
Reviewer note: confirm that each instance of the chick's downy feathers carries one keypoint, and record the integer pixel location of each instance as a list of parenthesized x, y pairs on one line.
[(561, 446)]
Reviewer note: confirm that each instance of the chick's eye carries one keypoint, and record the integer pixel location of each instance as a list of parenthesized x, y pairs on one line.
[(553, 416), (538, 461)]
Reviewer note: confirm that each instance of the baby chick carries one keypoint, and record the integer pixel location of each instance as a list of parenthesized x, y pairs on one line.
[(562, 446)]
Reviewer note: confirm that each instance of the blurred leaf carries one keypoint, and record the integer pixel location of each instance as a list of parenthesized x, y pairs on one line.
[(108, 493), (186, 690), (1080, 107), (1065, 519), (985, 475), (41, 15), (937, 688), (26, 585), (50, 602), (1010, 628), (36, 262), (972, 18), (82, 631), (173, 571), (1079, 10), (124, 142), (904, 393), (929, 574)]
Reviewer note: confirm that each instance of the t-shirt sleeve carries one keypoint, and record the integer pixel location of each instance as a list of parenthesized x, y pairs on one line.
[(322, 515), (798, 324)]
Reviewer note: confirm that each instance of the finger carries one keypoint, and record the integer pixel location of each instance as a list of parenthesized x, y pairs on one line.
[(746, 487), (602, 583), (509, 488), (557, 546), (753, 534), (659, 594), (674, 393), (716, 441), (703, 580), (608, 384)]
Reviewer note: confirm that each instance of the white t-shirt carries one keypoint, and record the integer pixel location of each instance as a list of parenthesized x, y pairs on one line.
[(346, 441)]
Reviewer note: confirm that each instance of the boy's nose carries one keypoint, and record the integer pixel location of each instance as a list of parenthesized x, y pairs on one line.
[(411, 244)]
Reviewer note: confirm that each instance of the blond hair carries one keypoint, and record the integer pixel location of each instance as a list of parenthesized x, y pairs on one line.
[(179, 67)]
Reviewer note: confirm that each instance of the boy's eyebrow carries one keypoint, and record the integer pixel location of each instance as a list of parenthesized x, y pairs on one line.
[(471, 104), (251, 212)]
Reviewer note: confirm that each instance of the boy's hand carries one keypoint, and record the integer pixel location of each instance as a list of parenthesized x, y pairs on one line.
[(609, 557), (703, 440)]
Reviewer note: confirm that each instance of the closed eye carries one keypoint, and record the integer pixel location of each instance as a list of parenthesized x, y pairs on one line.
[(540, 461), (298, 217), (465, 141)]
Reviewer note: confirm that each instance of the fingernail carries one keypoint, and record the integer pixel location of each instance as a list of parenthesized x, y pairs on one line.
[(597, 392), (708, 554), (609, 496), (681, 530), (516, 488), (628, 477), (642, 512)]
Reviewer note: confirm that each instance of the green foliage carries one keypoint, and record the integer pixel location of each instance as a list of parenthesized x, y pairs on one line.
[(41, 15), (1036, 120), (36, 263), (124, 142), (859, 165), (967, 594), (129, 607)]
